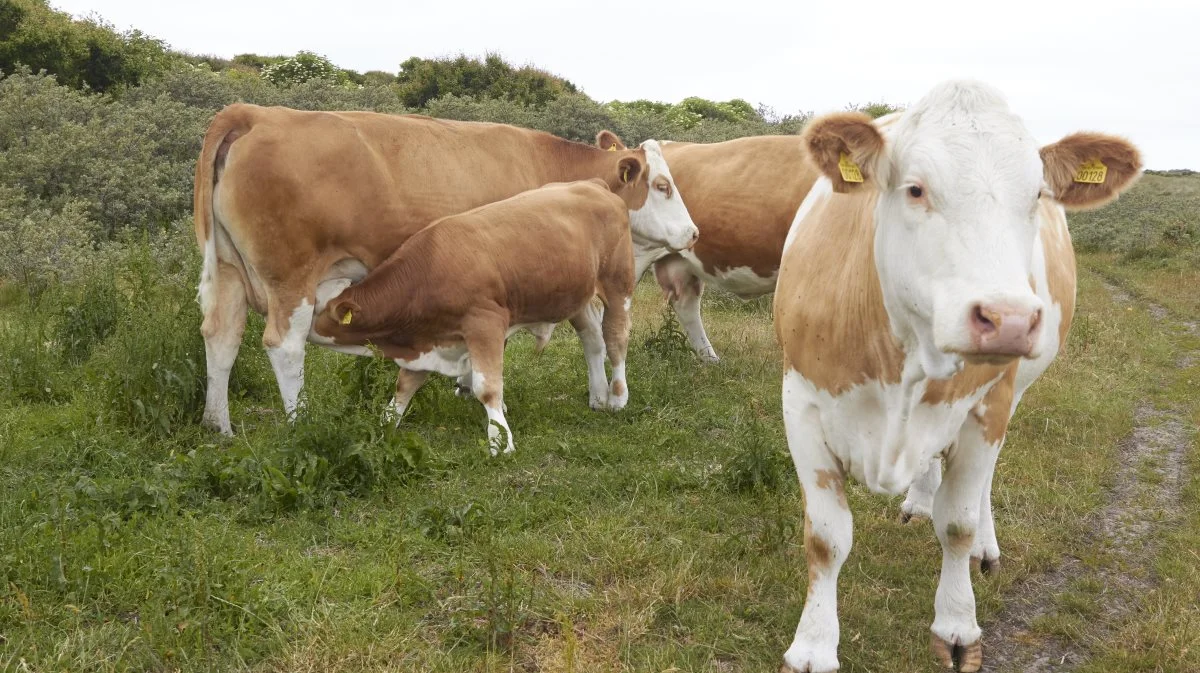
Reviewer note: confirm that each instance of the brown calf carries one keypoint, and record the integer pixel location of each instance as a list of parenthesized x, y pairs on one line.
[(448, 298)]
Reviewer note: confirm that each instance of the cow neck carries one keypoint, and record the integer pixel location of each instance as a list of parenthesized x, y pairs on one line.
[(386, 296), (568, 161)]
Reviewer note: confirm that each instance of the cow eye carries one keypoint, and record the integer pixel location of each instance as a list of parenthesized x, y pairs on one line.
[(664, 188), (916, 192)]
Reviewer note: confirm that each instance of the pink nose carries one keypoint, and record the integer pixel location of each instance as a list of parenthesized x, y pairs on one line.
[(1005, 330), (695, 237)]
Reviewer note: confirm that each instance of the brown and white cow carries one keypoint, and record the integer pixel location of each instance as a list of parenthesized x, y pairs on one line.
[(450, 296), (928, 283), (743, 195), (286, 200)]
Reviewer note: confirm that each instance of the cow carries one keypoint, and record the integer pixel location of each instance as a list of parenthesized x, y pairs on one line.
[(286, 200), (927, 282), (450, 295), (743, 195)]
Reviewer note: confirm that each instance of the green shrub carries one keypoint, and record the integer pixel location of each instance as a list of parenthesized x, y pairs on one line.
[(301, 68), (424, 80), (85, 53), (149, 373)]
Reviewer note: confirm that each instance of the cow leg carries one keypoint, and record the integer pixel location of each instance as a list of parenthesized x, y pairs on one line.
[(485, 344), (955, 516), (684, 290), (587, 325), (918, 503), (985, 553), (223, 304), (288, 323), (408, 382), (462, 385), (616, 342), (828, 534)]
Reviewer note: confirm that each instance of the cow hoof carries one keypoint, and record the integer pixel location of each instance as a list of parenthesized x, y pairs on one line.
[(711, 359), (788, 668), (462, 391), (961, 658), (985, 566), (809, 657), (907, 517)]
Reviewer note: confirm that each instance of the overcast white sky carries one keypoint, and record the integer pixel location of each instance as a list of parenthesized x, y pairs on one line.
[(1131, 68)]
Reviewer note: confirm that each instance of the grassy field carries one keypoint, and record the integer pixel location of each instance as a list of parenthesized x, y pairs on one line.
[(667, 537)]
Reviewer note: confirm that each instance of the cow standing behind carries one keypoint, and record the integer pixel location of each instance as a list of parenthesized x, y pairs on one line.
[(743, 195), (927, 283), (450, 296), (287, 200)]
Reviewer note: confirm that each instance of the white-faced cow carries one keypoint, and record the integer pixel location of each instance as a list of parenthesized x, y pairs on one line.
[(450, 296), (928, 282), (743, 195), (286, 200)]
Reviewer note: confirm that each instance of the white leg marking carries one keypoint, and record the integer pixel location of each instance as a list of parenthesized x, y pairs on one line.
[(618, 392), (955, 516), (687, 308), (288, 358), (497, 424), (828, 532), (224, 311), (587, 326), (986, 549)]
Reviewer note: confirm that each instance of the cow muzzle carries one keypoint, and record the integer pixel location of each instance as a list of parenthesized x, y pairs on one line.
[(1001, 331)]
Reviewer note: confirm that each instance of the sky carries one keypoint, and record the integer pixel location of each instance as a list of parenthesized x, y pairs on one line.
[(1126, 68)]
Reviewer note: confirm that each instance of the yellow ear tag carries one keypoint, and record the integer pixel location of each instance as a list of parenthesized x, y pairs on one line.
[(849, 169), (1092, 172), (346, 318), (612, 148), (625, 175)]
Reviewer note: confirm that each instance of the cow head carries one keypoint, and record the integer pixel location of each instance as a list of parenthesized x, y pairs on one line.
[(657, 215), (958, 180)]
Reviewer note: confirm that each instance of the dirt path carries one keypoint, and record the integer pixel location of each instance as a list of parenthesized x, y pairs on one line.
[(1147, 488)]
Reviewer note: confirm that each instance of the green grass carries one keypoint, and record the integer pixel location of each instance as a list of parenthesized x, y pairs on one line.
[(663, 536)]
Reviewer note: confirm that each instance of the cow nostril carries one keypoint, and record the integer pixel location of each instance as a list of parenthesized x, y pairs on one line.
[(981, 320), (1037, 320)]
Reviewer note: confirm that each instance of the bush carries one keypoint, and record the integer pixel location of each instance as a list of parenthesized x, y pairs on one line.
[(40, 247), (87, 53), (301, 68), (149, 374), (424, 80)]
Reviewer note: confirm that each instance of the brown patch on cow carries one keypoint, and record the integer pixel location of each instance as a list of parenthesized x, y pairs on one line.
[(1061, 161), (742, 195), (618, 388), (959, 538), (1060, 263), (817, 553), (997, 409), (851, 133), (832, 480), (829, 267)]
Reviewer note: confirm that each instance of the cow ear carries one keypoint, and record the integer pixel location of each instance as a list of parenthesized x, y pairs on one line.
[(607, 140), (628, 170), (344, 311), (1088, 170), (847, 147)]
